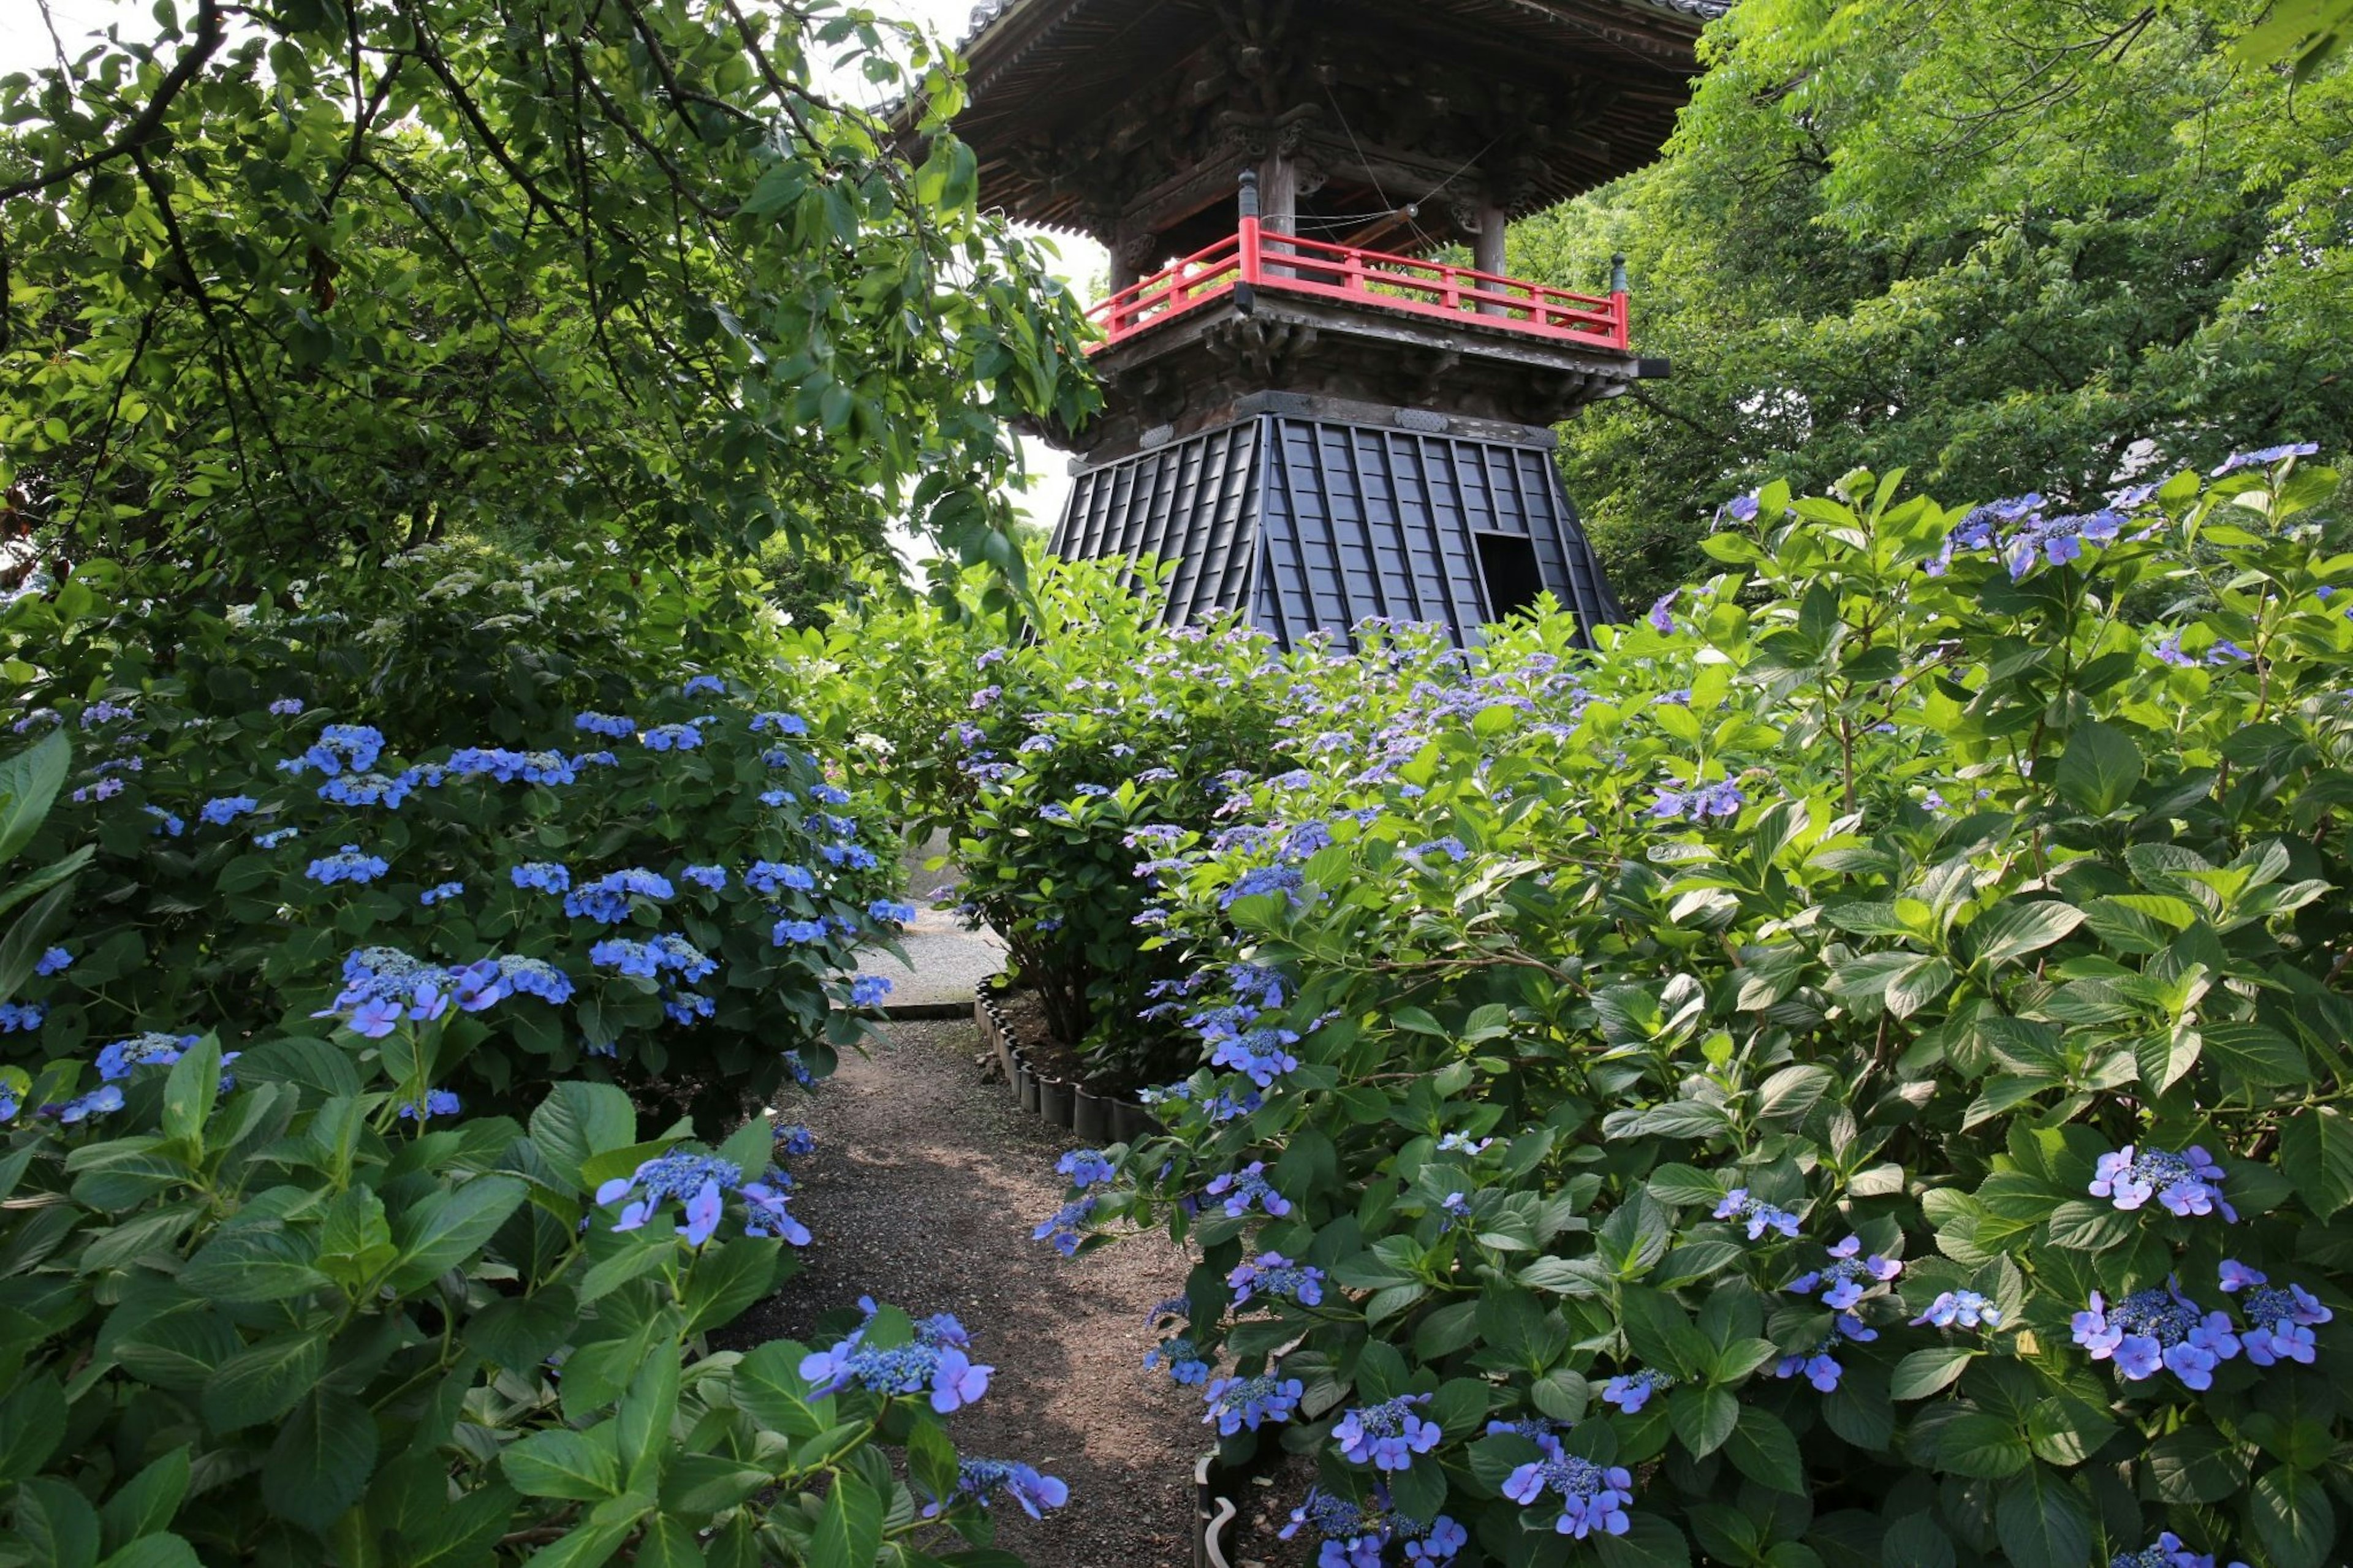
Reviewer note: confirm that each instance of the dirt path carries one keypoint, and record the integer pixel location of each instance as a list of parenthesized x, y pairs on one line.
[(922, 1193)]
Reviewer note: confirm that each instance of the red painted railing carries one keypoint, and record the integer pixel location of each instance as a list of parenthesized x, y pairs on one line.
[(1284, 264)]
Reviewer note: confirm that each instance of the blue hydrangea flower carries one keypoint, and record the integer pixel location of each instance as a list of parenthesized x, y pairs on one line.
[(792, 1139), (103, 1100), (349, 865), (340, 748), (1087, 1168), (1388, 1435), (442, 894), (165, 821), (1262, 1055), (1709, 802), (1592, 1496), (768, 879), (671, 737), (1846, 1277), (869, 990), (21, 1018), (437, 1102), (782, 723), (537, 978), (2168, 1553), (1183, 1359), (286, 707), (53, 960), (890, 912), (830, 794), (371, 788), (1287, 880), (1463, 1143), (117, 1061), (276, 837), (775, 797), (799, 1070), (1819, 1363), (1272, 1274), (1237, 1403), (2159, 1328), (1961, 1309), (610, 725), (1760, 1216), (714, 878), (798, 930), (856, 857), (1630, 1390), (606, 900), (2280, 1321), (702, 684), (681, 1175), (978, 1478), (1064, 1227), (2264, 456), (225, 809), (542, 874), (1248, 1186), (2187, 1183), (1352, 1535), (934, 1360), (103, 712)]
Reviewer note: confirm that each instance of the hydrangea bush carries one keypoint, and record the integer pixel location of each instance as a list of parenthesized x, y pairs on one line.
[(682, 876), (289, 1302), (1081, 750), (1851, 1073)]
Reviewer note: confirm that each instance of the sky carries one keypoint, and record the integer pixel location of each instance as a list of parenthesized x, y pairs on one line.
[(25, 46)]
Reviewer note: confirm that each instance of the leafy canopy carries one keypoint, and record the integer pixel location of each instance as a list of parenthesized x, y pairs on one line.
[(1998, 243), (318, 276)]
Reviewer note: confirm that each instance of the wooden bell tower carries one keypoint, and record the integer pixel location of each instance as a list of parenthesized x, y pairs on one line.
[(1315, 418)]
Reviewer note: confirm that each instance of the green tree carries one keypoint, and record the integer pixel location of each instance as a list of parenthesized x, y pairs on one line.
[(333, 276), (2000, 243)]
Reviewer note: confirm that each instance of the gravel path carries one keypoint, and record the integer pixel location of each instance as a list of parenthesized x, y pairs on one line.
[(922, 1193)]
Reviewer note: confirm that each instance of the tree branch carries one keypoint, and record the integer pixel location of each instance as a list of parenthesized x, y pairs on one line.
[(149, 120)]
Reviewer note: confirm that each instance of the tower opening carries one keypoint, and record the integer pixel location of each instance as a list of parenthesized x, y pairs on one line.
[(1507, 566)]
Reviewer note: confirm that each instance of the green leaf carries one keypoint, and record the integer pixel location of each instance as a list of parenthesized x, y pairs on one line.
[(728, 1278), (259, 1263), (447, 1227), (1763, 1449), (29, 781), (145, 1504), (578, 1120), (2316, 1154), (1649, 1541), (320, 1464), (2254, 1055), (700, 1485), (2196, 1465), (850, 1526), (1925, 1372), (1703, 1417), (189, 1091), (55, 1524), (154, 1552), (769, 1388), (263, 1382), (2100, 769), (2292, 1517), (642, 1425), (562, 1463), (2011, 930), (2042, 1521), (667, 1543), (27, 938), (32, 1420)]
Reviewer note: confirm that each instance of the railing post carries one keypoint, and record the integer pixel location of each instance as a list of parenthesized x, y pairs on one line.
[(1621, 323), (1246, 290)]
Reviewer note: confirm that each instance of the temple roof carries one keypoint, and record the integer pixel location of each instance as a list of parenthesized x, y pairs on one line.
[(1079, 107)]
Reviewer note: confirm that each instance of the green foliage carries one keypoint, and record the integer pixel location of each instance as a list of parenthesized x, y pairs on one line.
[(1997, 249), (1890, 886), (410, 1340), (348, 279), (214, 786)]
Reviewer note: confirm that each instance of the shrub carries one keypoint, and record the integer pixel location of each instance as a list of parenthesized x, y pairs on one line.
[(1851, 1074), (677, 857), (1088, 744)]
